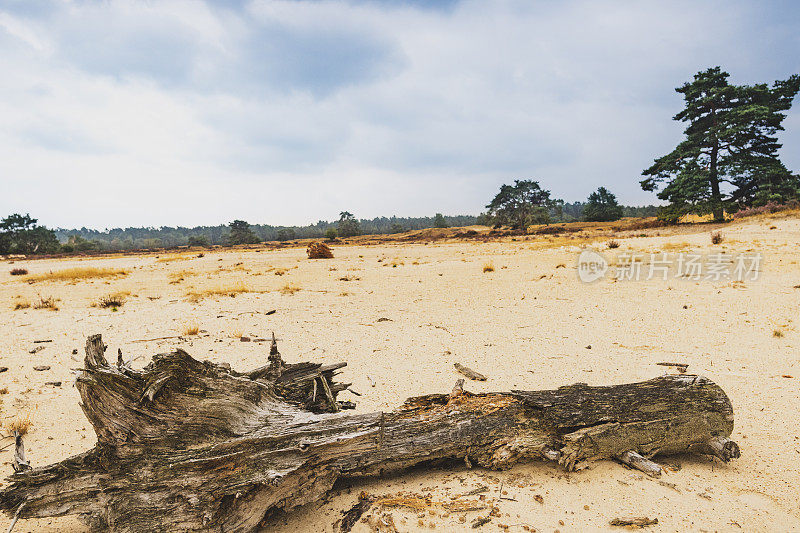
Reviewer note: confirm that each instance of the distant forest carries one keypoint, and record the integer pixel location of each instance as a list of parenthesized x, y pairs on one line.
[(167, 237)]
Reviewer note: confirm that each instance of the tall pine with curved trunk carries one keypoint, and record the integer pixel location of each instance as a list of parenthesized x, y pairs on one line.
[(729, 158)]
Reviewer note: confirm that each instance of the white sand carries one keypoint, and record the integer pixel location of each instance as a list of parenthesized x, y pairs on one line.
[(521, 329)]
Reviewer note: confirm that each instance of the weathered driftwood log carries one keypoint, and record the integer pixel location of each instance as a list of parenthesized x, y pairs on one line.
[(185, 445)]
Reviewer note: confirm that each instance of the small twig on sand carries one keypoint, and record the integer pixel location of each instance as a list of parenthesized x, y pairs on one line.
[(468, 372), (16, 517), (474, 492), (680, 366), (635, 522), (159, 338)]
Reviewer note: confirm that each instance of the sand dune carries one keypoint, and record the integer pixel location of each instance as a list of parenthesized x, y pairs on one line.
[(529, 324)]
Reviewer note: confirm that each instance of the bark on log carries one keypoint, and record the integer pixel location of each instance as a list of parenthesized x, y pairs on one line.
[(185, 445)]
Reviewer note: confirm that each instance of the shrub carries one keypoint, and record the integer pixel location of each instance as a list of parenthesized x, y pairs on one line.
[(46, 303), (19, 272), (555, 230), (613, 244), (717, 238), (488, 267), (330, 234), (769, 207), (112, 301), (198, 240), (777, 333), (648, 224)]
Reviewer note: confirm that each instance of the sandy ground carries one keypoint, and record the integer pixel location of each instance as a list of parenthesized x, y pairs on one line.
[(527, 325)]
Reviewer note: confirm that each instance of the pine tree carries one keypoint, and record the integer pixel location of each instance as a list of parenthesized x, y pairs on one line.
[(730, 144), (602, 207), (521, 205), (348, 225), (241, 233), (19, 234)]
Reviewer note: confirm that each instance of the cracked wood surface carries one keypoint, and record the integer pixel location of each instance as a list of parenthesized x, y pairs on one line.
[(196, 446)]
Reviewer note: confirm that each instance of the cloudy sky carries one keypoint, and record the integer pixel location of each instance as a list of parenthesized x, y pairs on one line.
[(161, 112)]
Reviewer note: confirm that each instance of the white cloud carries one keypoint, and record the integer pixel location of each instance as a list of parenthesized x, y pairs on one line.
[(133, 113)]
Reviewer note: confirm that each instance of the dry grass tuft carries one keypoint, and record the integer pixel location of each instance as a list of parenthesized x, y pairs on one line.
[(613, 244), (77, 274), (46, 303), (180, 275), (232, 291), (175, 257), (717, 238), (21, 424), (289, 289), (19, 271), (777, 333), (191, 329), (672, 246), (4, 390), (21, 303), (488, 267), (112, 300)]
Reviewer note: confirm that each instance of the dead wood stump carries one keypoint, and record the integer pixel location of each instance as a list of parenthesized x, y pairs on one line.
[(185, 445), (319, 250)]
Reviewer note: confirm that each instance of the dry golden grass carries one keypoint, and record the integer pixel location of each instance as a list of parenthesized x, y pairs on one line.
[(46, 303), (180, 275), (21, 303), (672, 246), (77, 274), (112, 301), (289, 289), (191, 329), (237, 334), (232, 291), (20, 424), (488, 267), (175, 257)]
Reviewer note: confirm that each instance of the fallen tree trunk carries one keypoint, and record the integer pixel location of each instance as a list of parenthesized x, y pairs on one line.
[(185, 445)]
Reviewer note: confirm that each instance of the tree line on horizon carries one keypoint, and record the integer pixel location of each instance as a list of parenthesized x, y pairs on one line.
[(728, 162), (20, 234)]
